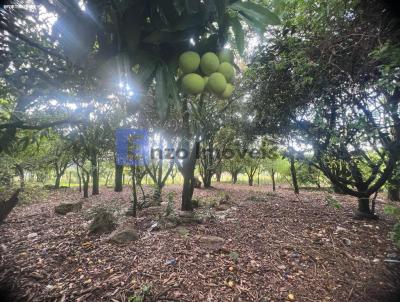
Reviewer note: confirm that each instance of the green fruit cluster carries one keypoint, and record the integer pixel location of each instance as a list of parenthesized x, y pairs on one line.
[(208, 72)]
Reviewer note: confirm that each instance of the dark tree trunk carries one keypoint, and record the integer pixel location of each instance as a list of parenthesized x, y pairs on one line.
[(133, 210), (188, 180), (207, 179), (251, 181), (58, 180), (119, 169), (363, 205), (7, 205), (189, 163), (85, 189), (294, 175), (95, 173), (234, 178), (273, 180), (187, 194)]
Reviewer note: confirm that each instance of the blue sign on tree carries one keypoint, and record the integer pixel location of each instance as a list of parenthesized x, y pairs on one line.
[(131, 146)]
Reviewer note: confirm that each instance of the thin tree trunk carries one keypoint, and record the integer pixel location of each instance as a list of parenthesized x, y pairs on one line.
[(95, 173), (134, 192), (79, 179), (273, 180), (188, 181), (294, 175), (85, 189), (119, 169), (250, 180), (207, 179), (234, 178), (69, 180)]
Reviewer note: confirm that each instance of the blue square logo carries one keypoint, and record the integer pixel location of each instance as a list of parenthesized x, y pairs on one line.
[(131, 146)]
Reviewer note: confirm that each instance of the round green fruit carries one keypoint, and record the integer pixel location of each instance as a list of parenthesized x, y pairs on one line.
[(209, 63), (217, 83), (228, 91), (189, 61), (192, 83), (225, 55), (227, 70)]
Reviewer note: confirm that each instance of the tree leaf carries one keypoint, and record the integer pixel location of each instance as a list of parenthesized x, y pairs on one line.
[(256, 12), (239, 34)]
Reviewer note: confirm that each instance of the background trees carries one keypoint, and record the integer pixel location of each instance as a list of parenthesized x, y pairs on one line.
[(324, 84)]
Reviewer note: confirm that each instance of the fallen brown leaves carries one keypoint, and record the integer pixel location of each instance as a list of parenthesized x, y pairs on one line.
[(274, 250)]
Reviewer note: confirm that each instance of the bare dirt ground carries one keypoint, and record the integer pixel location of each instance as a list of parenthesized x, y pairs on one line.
[(277, 247)]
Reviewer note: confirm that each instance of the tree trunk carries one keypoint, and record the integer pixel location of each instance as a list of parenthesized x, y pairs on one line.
[(207, 179), (273, 180), (234, 178), (188, 181), (58, 180), (188, 164), (7, 205), (95, 173), (79, 179), (133, 210), (85, 189), (187, 193), (250, 180), (294, 176), (119, 169)]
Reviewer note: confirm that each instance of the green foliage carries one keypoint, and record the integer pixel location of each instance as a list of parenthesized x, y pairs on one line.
[(329, 99), (395, 212), (141, 294)]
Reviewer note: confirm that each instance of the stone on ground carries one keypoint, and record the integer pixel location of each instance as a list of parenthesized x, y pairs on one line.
[(123, 235), (210, 243), (65, 208), (103, 222)]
